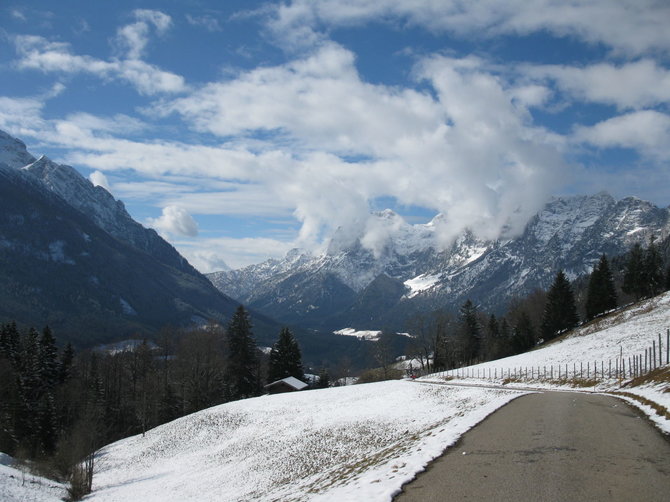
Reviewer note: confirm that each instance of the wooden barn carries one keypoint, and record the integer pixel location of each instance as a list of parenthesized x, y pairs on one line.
[(288, 384)]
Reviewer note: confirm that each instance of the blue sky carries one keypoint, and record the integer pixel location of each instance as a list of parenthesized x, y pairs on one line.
[(241, 129)]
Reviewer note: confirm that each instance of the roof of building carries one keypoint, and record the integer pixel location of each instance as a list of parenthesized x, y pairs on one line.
[(292, 381)]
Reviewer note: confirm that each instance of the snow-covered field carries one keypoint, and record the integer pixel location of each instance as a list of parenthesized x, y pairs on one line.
[(628, 332), (17, 485), (348, 443)]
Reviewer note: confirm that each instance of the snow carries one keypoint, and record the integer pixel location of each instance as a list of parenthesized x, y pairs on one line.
[(421, 283), (360, 442), (347, 443), (17, 485), (627, 332), (126, 308), (369, 335)]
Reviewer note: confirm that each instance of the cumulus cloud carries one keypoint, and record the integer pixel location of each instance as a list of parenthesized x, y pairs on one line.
[(175, 221), (99, 179), (38, 53), (133, 38), (635, 85), (472, 153), (648, 131), (631, 27)]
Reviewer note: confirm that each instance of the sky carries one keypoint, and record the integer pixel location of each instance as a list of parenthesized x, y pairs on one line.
[(240, 129)]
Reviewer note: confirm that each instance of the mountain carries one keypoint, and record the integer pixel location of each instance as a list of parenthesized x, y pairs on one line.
[(73, 258), (378, 280)]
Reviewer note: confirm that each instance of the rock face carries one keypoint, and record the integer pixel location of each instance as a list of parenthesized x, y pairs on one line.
[(72, 257), (353, 284)]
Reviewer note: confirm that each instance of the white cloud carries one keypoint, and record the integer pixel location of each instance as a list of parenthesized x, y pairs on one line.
[(647, 131), (40, 54), (632, 85), (99, 179), (208, 22), (443, 154), (175, 221), (629, 27), (211, 255), (133, 38)]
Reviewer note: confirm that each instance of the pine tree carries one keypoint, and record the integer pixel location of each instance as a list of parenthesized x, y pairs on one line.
[(324, 379), (634, 275), (285, 358), (470, 331), (492, 338), (653, 273), (560, 312), (242, 370), (65, 365), (523, 338), (601, 295), (48, 359)]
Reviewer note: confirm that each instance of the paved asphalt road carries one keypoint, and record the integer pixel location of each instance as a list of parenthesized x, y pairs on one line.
[(552, 447)]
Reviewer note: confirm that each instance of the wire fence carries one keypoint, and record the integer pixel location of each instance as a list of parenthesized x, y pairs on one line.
[(624, 367)]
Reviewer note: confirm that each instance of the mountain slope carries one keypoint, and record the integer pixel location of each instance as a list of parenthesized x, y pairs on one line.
[(72, 257), (59, 268), (569, 233)]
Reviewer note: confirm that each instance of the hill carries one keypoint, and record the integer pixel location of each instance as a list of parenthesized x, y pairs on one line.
[(349, 443)]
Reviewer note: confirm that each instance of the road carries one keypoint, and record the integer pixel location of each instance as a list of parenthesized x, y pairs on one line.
[(552, 446)]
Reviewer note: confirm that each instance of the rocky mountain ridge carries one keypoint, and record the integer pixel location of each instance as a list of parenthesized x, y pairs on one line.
[(73, 258), (406, 271)]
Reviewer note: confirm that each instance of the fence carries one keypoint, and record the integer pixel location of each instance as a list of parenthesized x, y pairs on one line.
[(621, 368)]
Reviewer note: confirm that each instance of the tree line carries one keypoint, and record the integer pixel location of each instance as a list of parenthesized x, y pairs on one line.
[(58, 406), (448, 340)]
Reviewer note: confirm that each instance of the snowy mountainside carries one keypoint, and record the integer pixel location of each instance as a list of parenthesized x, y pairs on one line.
[(94, 201), (569, 233), (74, 259)]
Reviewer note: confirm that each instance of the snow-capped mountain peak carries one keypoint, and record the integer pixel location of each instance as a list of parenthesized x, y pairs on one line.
[(13, 152), (395, 268)]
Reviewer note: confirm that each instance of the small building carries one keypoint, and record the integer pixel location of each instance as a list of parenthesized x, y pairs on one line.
[(288, 384)]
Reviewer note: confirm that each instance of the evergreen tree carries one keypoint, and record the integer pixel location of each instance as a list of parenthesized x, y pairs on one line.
[(242, 357), (493, 338), (601, 295), (634, 274), (653, 270), (65, 365), (285, 358), (324, 379), (523, 338), (560, 312), (48, 359), (470, 331), (667, 279)]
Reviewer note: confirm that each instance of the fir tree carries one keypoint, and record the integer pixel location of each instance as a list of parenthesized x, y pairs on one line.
[(285, 358), (601, 295), (242, 357), (324, 379), (653, 270), (48, 359), (65, 365), (523, 338), (470, 331), (492, 338), (634, 273), (560, 312)]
